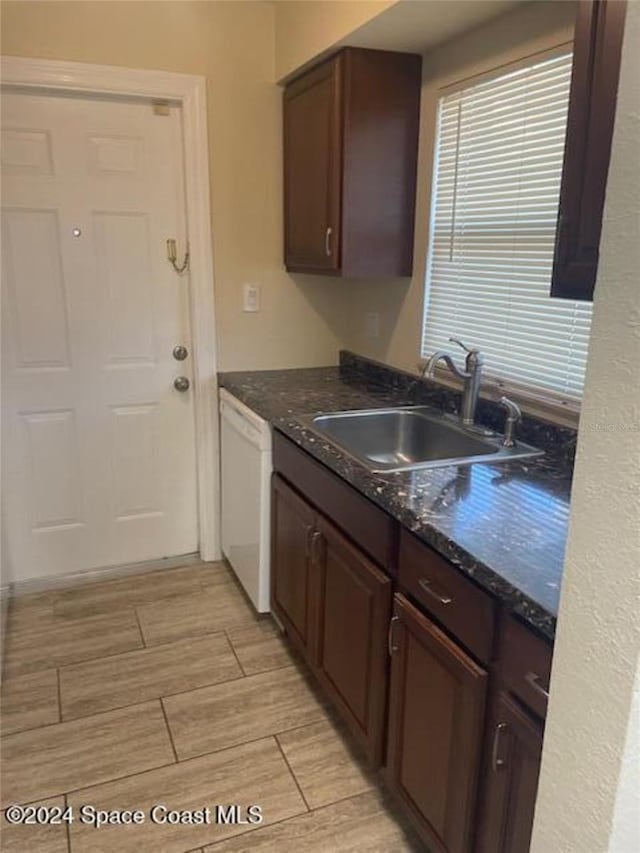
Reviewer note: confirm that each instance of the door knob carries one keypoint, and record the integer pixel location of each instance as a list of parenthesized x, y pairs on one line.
[(181, 383), (180, 352)]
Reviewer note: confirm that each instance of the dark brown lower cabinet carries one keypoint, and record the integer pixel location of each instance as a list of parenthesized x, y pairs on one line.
[(436, 707), (292, 526), (511, 779), (334, 604), (353, 604), (465, 769)]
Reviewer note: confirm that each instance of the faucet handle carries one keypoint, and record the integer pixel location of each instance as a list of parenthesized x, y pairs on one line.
[(474, 358), (464, 346)]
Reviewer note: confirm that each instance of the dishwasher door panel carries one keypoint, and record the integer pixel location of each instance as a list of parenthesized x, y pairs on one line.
[(245, 474)]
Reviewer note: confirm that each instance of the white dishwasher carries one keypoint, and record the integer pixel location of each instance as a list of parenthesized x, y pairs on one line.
[(245, 485)]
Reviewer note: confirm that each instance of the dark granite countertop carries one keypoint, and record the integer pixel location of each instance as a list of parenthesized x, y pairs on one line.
[(504, 525)]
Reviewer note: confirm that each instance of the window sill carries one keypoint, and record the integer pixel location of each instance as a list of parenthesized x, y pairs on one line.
[(531, 403)]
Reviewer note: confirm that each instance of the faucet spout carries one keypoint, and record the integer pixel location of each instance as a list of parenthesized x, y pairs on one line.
[(444, 356), (470, 377)]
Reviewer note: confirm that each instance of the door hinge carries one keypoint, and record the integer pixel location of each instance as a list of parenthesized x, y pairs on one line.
[(161, 108)]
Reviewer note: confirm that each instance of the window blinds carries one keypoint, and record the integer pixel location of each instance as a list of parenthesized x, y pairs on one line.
[(498, 166)]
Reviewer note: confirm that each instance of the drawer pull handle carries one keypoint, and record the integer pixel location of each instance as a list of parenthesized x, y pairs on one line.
[(496, 761), (441, 598), (533, 680), (390, 645)]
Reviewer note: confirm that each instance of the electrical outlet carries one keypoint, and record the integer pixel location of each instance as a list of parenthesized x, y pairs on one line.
[(372, 324), (251, 297)]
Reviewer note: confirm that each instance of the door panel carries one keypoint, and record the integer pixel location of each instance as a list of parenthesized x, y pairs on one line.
[(26, 152), (98, 447), (436, 715), (115, 154), (124, 275), (429, 679), (353, 600), (51, 439), (36, 299), (137, 466), (292, 521)]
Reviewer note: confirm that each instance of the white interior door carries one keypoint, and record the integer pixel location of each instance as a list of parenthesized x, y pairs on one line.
[(98, 446)]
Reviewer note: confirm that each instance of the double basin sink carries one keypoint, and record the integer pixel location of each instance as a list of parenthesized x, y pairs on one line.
[(404, 439)]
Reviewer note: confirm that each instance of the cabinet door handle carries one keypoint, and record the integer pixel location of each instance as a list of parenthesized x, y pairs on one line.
[(496, 761), (316, 540), (307, 548), (390, 645), (533, 680), (442, 598), (327, 241)]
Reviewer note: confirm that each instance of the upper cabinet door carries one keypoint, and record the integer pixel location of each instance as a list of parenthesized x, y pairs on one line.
[(592, 107), (312, 152), (350, 159)]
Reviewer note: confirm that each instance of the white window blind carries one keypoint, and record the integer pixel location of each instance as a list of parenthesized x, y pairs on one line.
[(497, 176)]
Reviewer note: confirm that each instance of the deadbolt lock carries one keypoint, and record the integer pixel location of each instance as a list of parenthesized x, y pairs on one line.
[(180, 352)]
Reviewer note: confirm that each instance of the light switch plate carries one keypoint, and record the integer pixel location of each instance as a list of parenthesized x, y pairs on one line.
[(251, 297), (372, 323)]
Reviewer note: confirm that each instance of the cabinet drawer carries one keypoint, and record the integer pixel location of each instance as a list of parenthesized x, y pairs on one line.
[(457, 603), (526, 665), (367, 525)]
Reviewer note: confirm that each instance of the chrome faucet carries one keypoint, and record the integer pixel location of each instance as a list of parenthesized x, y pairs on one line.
[(470, 377)]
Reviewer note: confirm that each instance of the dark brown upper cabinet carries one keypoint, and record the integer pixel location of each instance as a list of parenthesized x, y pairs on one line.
[(592, 107), (350, 159)]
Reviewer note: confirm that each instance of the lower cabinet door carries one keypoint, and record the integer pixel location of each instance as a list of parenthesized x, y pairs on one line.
[(351, 662), (436, 707), (292, 526), (510, 782)]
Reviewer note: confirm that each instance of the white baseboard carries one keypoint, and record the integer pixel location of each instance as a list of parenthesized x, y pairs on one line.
[(27, 587)]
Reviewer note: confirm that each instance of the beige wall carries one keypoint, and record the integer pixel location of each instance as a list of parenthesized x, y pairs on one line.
[(232, 45), (519, 33), (588, 796), (303, 320), (306, 28), (625, 834)]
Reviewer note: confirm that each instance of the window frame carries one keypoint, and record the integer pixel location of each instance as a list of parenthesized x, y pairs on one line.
[(533, 400)]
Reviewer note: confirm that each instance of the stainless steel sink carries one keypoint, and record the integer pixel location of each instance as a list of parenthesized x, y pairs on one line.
[(388, 440)]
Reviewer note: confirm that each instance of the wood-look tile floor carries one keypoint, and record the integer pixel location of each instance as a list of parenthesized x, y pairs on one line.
[(165, 688)]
